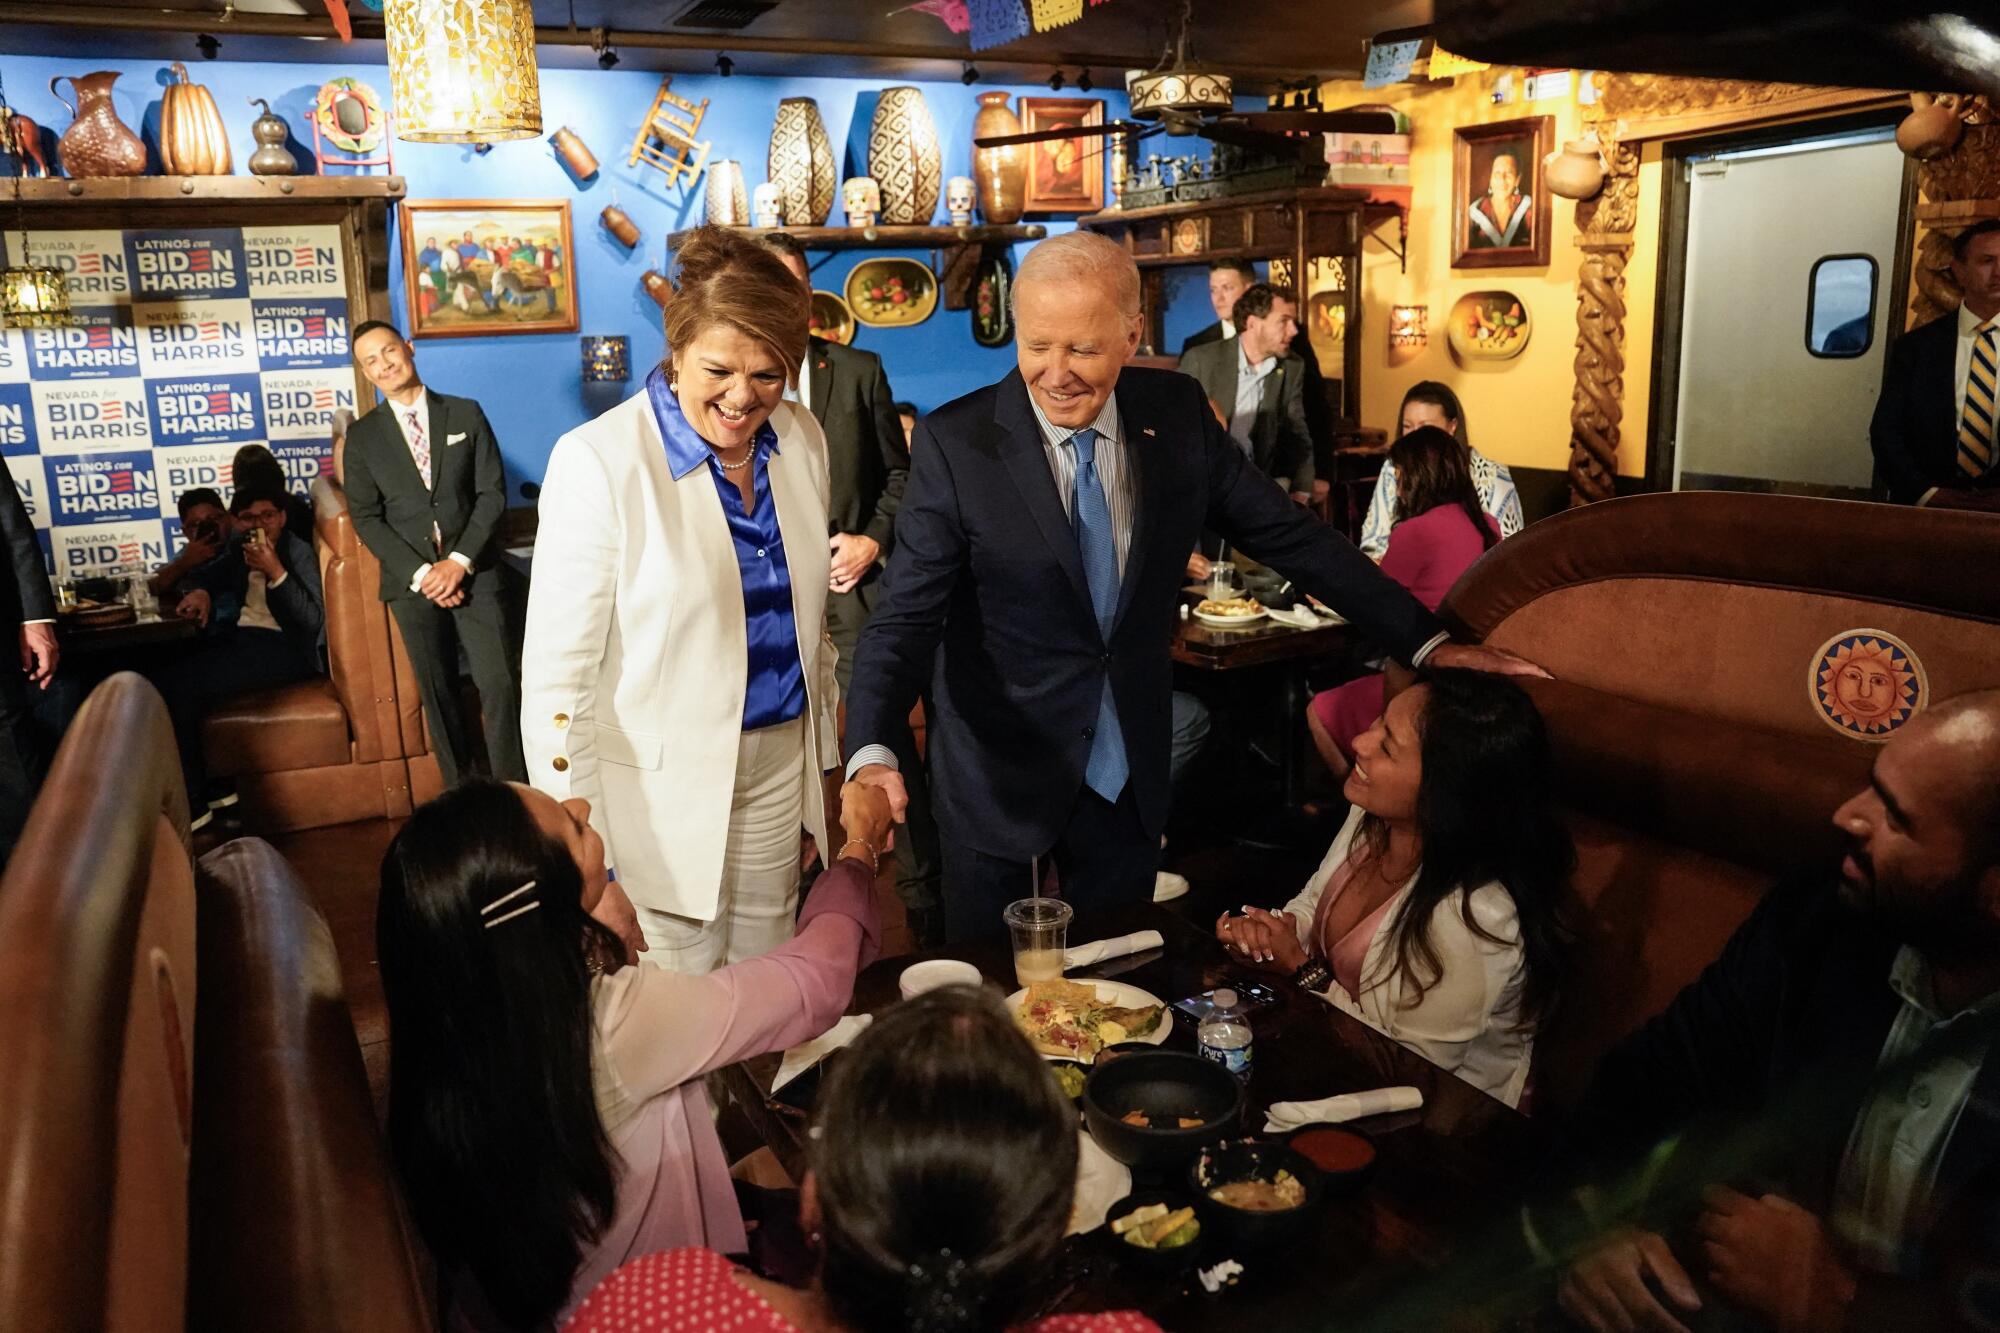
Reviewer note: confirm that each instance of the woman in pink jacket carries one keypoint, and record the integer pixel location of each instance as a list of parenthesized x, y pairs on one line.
[(546, 1110), (1440, 530)]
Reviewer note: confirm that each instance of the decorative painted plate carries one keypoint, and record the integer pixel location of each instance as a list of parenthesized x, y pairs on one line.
[(1489, 326), (831, 319), (891, 293), (1866, 683), (993, 285)]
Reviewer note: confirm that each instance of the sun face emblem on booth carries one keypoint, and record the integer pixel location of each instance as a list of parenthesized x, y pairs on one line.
[(1866, 683)]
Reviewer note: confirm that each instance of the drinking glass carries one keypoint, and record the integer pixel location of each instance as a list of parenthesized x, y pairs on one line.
[(65, 595), (1222, 583), (1040, 927)]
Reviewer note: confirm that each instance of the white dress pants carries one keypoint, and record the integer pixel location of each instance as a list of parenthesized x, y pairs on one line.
[(760, 862)]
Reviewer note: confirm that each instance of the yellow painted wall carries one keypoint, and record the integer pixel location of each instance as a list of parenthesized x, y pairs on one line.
[(1517, 410)]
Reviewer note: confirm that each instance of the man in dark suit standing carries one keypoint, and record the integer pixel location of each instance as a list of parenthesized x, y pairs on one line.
[(1258, 385), (426, 490), (31, 611), (1228, 279), (1039, 558), (1934, 431)]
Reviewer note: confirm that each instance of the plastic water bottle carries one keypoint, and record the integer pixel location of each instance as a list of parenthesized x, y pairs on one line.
[(1224, 1035)]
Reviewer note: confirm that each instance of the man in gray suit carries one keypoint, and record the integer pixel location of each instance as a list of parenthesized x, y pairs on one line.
[(1257, 386), (426, 490)]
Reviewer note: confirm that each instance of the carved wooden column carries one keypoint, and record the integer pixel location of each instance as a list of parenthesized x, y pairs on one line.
[(1956, 189), (1605, 232)]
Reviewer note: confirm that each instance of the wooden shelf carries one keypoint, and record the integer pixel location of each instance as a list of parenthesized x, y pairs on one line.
[(210, 189), (893, 238)]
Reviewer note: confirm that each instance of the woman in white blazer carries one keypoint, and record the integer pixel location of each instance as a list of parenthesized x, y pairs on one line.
[(1435, 915), (675, 672)]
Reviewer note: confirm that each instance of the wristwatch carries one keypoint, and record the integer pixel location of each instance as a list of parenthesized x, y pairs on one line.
[(1313, 975)]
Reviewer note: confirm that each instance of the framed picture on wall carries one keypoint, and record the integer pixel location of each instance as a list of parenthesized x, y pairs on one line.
[(1499, 200), (1064, 175), (474, 267)]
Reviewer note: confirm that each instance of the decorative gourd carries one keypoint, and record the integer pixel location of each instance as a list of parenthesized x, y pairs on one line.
[(272, 158), (193, 140)]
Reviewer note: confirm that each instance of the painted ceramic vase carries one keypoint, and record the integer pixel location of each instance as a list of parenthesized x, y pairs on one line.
[(801, 164), (861, 196), (728, 202), (97, 143), (958, 199), (904, 157), (1001, 173)]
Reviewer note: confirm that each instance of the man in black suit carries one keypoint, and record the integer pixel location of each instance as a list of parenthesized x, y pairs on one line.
[(30, 610), (1257, 383), (1934, 432), (1816, 1119), (1228, 279), (426, 490), (1039, 559)]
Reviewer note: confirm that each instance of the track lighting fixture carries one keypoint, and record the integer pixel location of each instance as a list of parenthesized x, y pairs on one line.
[(1056, 82), (1084, 83), (969, 75), (724, 66), (600, 42), (207, 45)]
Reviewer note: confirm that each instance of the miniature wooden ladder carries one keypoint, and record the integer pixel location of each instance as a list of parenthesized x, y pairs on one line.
[(666, 137)]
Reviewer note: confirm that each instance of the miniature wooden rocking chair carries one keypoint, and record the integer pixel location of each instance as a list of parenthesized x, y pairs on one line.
[(666, 136)]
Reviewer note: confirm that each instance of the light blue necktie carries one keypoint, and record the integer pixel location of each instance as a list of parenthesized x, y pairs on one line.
[(1106, 770)]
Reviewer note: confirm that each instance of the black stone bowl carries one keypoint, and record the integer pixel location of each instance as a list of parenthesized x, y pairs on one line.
[(1242, 1229), (1167, 1084)]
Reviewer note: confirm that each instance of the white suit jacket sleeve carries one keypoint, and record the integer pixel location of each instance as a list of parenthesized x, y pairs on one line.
[(1381, 514), (570, 602)]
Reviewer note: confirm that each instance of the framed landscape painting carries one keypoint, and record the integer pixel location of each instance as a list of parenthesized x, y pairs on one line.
[(1064, 175), (488, 266)]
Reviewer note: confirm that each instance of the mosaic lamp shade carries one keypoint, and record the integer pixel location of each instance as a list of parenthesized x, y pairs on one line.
[(607, 360), (32, 296), (463, 71), (1409, 325)]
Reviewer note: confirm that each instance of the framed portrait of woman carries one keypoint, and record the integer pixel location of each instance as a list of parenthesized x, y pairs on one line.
[(1064, 175), (1499, 200)]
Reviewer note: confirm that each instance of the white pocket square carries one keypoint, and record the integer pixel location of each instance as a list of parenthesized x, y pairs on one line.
[(454, 437)]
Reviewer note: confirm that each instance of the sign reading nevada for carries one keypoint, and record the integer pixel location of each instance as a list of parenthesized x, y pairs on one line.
[(301, 335), (195, 338), (99, 343), (17, 420), (299, 404), (215, 409), (100, 488), (91, 415), (293, 261), (99, 548), (198, 264), (181, 470), (93, 263)]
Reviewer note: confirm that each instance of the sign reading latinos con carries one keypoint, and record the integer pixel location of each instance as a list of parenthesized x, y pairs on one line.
[(188, 344)]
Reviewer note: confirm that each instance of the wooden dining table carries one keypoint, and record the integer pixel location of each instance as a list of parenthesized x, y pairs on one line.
[(1445, 1185)]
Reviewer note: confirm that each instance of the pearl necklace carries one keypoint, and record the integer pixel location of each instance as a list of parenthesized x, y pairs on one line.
[(734, 467)]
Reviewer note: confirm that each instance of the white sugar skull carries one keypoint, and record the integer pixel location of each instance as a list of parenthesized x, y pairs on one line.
[(862, 199), (768, 204), (958, 196)]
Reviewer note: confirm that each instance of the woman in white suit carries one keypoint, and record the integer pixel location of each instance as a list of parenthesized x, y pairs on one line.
[(676, 673), (1434, 917)]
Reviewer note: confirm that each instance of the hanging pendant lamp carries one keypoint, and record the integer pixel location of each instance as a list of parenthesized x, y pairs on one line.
[(463, 71)]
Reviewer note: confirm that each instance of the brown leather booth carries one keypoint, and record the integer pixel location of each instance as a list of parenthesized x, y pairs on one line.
[(185, 1126), (336, 749), (1686, 632)]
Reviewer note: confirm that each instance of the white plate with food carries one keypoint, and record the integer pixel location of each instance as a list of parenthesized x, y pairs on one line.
[(1229, 613), (1074, 1020), (1101, 1180)]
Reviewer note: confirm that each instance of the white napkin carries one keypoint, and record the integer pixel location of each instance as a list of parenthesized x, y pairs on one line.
[(1083, 955), (809, 1053), (1284, 1117), (1298, 617)]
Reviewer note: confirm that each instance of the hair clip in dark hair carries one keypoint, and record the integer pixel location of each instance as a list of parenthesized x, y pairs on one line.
[(942, 1294), (505, 898)]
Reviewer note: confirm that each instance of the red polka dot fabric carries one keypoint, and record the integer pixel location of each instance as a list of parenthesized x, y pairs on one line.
[(696, 1291)]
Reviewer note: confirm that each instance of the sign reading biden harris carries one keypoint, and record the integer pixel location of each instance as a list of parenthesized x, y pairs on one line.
[(188, 344)]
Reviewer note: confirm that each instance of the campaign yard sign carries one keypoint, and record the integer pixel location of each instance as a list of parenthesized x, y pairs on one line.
[(188, 343)]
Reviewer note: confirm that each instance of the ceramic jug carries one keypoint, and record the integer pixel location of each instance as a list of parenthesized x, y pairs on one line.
[(1577, 172), (97, 143)]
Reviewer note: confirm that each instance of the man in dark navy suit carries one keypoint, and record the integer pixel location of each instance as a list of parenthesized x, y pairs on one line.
[(1039, 557), (1934, 432)]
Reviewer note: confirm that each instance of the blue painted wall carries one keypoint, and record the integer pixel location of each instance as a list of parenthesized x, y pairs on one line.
[(530, 384)]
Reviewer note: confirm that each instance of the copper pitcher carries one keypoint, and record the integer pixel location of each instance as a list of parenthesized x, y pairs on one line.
[(97, 143)]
